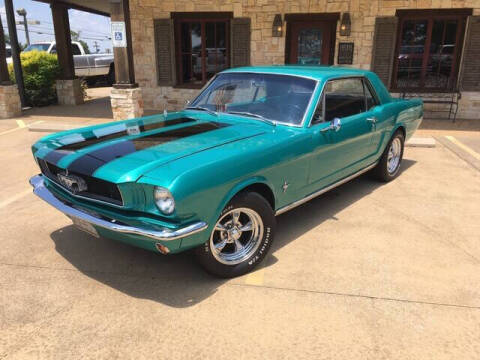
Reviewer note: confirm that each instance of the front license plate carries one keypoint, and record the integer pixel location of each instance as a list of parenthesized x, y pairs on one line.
[(85, 226)]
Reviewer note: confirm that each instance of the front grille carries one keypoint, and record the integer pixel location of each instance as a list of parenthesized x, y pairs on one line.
[(97, 189)]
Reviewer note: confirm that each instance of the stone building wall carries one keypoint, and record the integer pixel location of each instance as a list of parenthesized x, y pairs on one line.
[(266, 49)]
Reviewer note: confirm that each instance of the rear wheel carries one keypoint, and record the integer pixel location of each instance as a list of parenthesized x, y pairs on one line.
[(240, 238), (388, 166)]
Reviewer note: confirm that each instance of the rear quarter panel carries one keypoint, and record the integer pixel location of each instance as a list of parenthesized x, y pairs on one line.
[(398, 112)]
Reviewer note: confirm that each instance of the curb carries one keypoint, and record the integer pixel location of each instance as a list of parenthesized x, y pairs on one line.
[(426, 142)]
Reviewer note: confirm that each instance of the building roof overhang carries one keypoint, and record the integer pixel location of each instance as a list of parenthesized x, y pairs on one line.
[(92, 6)]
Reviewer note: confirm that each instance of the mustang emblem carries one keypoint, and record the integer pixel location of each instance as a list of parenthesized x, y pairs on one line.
[(73, 183)]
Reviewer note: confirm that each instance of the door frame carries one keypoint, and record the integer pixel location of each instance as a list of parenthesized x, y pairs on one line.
[(330, 18)]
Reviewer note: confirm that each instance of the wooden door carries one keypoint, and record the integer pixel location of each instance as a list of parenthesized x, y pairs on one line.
[(310, 43)]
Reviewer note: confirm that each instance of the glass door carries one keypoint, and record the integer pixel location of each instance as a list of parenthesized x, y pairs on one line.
[(310, 43)]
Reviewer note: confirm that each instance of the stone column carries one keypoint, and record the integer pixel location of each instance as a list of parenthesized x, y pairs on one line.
[(69, 92), (126, 96), (126, 103), (9, 101)]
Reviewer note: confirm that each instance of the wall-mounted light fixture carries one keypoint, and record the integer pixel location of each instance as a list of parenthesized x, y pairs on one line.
[(277, 28), (345, 25)]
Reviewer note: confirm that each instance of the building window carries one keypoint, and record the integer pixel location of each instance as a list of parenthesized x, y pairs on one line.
[(202, 49), (428, 51)]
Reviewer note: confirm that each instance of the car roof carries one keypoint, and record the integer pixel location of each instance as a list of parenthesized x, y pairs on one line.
[(318, 72)]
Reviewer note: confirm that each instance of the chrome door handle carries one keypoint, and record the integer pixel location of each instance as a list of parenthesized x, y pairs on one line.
[(372, 119)]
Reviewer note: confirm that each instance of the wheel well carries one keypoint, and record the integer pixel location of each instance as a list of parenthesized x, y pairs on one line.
[(263, 190), (402, 129)]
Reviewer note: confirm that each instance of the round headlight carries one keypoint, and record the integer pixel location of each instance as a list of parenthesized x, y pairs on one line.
[(164, 200)]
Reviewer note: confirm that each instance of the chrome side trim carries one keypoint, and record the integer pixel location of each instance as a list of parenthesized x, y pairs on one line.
[(324, 190), (163, 234)]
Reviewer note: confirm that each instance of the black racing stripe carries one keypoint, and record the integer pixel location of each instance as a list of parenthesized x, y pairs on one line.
[(55, 155), (89, 163), (142, 127)]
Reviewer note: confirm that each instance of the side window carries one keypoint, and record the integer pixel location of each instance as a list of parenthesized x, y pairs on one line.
[(318, 114), (344, 97), (369, 97), (76, 49)]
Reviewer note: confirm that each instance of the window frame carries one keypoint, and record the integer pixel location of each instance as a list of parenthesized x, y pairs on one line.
[(431, 16), (365, 82), (78, 49), (202, 18)]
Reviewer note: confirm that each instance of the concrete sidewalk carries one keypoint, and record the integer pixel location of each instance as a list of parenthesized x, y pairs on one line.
[(366, 271)]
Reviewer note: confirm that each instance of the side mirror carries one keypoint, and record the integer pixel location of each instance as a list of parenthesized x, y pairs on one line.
[(335, 125)]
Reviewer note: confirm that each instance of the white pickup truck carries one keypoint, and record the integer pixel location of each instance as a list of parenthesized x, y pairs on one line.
[(89, 66)]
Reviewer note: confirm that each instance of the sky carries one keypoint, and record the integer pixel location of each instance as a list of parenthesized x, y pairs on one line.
[(91, 27)]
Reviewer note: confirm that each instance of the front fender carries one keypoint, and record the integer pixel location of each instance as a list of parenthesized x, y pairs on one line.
[(238, 188)]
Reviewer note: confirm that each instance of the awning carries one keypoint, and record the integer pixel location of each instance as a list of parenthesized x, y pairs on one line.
[(92, 6)]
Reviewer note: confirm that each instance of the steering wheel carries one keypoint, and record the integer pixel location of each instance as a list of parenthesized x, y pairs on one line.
[(294, 112)]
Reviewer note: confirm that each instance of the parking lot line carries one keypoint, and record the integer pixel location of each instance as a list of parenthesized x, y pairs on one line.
[(463, 147), (256, 277), (20, 125), (14, 198)]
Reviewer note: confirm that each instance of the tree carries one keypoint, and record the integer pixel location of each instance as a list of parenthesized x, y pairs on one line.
[(76, 37), (85, 46)]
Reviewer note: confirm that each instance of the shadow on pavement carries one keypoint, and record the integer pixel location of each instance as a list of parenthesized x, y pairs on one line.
[(97, 108), (177, 280)]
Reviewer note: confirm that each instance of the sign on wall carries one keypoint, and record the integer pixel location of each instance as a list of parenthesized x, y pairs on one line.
[(345, 53), (119, 35)]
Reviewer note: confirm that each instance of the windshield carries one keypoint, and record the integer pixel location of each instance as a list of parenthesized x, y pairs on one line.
[(281, 98), (39, 47)]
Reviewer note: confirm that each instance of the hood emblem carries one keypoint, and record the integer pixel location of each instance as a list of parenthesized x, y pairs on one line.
[(73, 183), (285, 186)]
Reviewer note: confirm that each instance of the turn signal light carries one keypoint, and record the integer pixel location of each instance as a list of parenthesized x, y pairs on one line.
[(163, 249)]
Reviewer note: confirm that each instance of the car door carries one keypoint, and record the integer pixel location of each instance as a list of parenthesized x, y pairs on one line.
[(376, 116), (343, 146)]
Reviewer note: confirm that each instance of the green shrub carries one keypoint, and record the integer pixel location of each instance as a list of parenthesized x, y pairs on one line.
[(40, 70)]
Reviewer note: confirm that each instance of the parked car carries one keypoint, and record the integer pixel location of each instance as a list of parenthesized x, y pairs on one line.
[(89, 66), (255, 143)]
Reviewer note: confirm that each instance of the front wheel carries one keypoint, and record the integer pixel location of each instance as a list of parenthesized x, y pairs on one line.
[(388, 166), (240, 238)]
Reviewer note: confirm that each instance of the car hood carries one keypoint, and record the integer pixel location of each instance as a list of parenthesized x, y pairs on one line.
[(124, 151)]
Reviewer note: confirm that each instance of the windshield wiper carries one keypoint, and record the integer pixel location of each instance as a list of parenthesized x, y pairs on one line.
[(202, 109), (257, 116)]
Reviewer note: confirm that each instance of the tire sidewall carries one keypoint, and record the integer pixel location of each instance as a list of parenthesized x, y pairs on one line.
[(387, 176), (257, 203)]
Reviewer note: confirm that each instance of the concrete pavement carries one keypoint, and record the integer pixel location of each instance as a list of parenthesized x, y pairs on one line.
[(368, 270)]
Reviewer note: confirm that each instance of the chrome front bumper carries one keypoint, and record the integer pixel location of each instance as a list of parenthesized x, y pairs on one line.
[(164, 234)]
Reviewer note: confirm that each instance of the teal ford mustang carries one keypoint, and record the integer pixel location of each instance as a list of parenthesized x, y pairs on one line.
[(256, 142)]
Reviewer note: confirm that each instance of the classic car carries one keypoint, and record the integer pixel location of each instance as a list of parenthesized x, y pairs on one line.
[(255, 143)]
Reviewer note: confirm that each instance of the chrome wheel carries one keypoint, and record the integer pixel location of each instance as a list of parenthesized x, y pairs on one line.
[(236, 236), (394, 155)]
